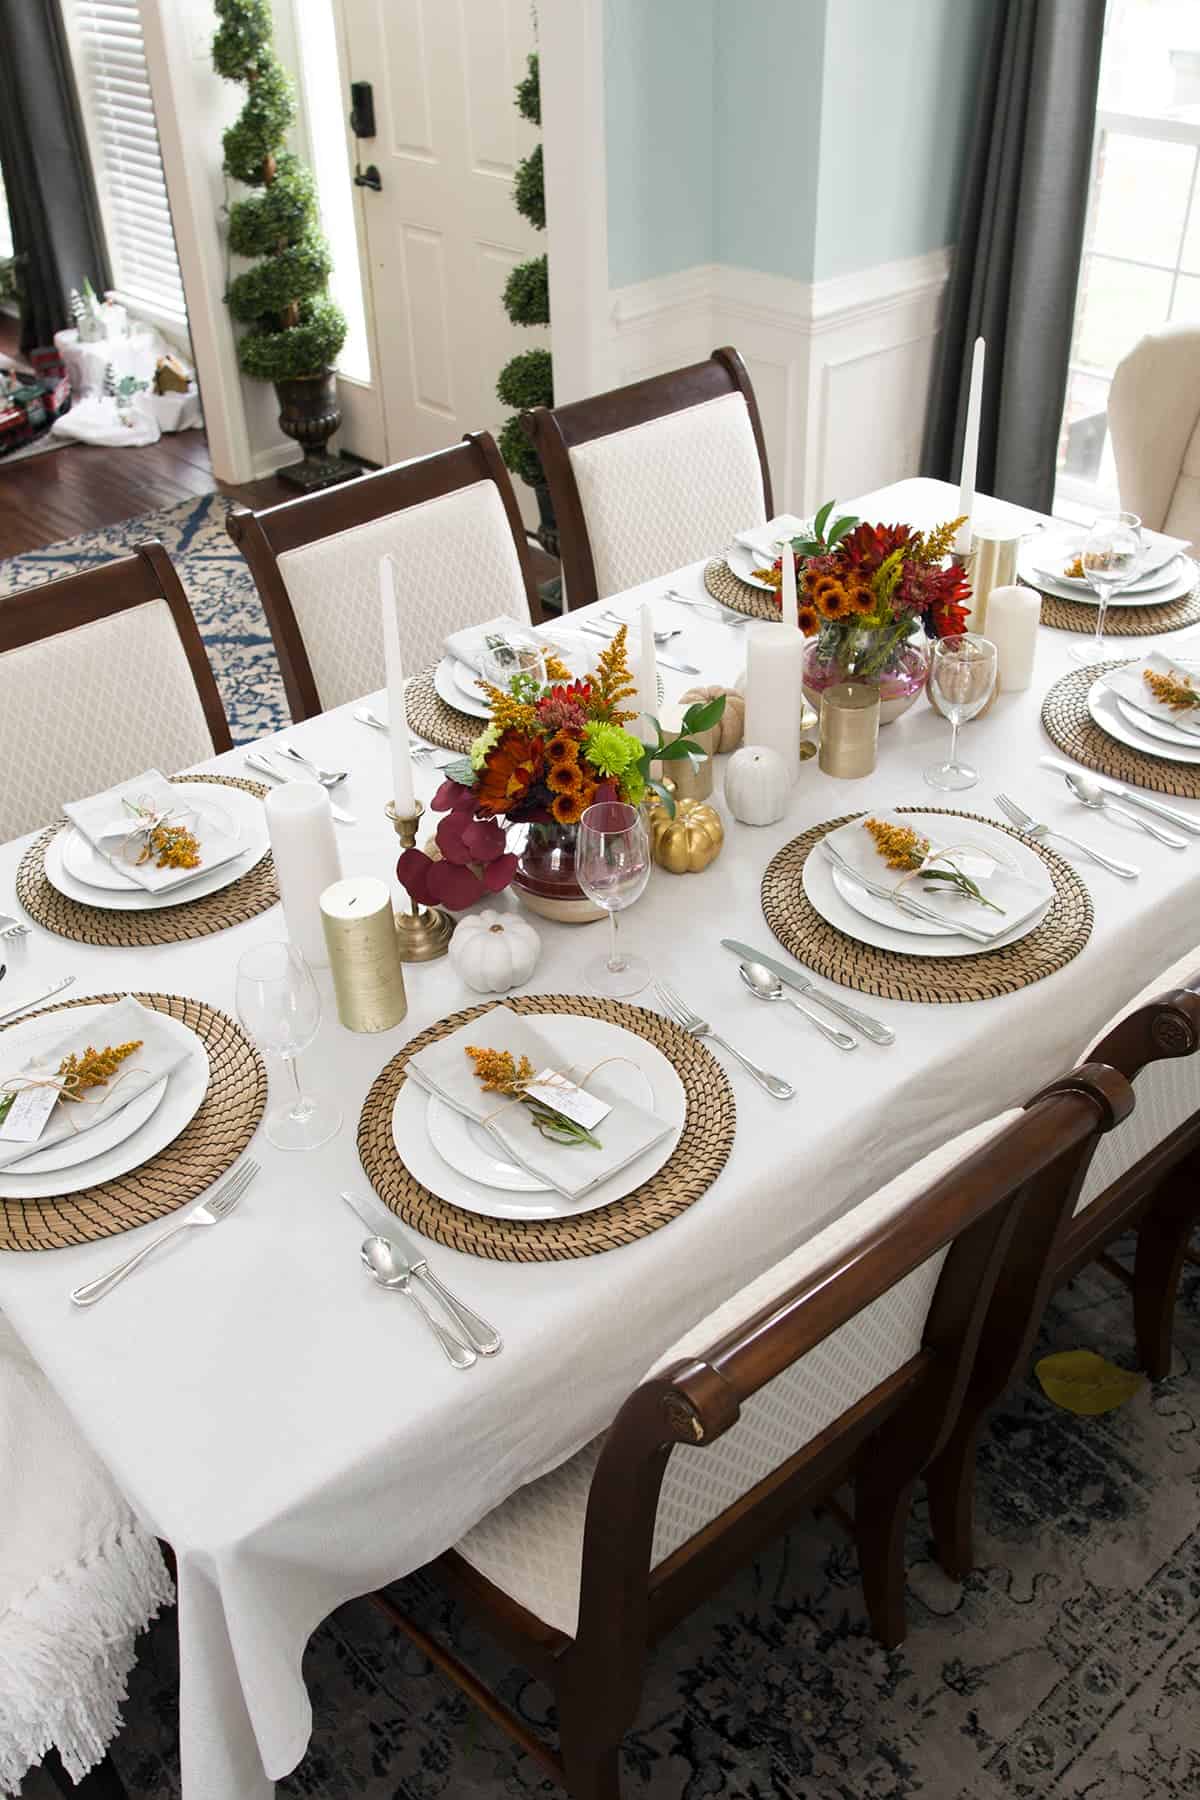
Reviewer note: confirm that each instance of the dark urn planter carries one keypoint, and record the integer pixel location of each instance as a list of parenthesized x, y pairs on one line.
[(547, 531), (309, 413)]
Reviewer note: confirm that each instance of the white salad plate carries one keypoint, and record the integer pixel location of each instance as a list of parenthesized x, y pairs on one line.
[(70, 851), (1173, 582), (1106, 711), (1154, 726), (86, 864)]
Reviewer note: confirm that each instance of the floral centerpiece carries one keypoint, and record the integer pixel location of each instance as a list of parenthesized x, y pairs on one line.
[(549, 751), (866, 596)]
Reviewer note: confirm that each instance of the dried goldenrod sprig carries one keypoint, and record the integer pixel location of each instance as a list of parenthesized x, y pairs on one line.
[(93, 1068), (612, 681), (173, 847), (1172, 690), (557, 670), (501, 1074), (903, 848), (509, 713), (932, 546)]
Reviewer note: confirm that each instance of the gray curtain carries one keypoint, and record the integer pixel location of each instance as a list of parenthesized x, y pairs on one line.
[(1020, 235)]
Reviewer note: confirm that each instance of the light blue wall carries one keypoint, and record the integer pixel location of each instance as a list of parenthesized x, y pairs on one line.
[(658, 71), (900, 81)]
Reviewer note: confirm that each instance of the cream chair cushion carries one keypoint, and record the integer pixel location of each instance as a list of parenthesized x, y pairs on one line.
[(91, 707), (659, 495), (456, 565), (1167, 1093), (1154, 420), (532, 1546)]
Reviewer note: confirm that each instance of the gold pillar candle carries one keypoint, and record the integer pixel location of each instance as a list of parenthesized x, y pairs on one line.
[(849, 728), (689, 783), (995, 565), (364, 956)]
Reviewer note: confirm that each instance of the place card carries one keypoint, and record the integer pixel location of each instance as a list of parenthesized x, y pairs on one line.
[(561, 1093), (26, 1118)]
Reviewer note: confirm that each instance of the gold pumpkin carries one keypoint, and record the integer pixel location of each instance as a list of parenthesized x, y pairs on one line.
[(688, 842), (731, 726)]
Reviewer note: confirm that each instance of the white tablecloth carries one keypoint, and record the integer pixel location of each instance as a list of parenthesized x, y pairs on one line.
[(294, 1433)]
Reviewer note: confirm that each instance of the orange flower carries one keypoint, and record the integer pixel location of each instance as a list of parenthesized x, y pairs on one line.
[(809, 620), (567, 809), (832, 599), (562, 749), (564, 778), (512, 766), (862, 599)]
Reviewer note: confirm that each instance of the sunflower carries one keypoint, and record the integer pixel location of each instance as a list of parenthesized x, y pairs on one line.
[(512, 767), (564, 778), (809, 620)]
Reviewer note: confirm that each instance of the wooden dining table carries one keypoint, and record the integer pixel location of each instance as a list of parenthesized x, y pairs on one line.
[(290, 1428)]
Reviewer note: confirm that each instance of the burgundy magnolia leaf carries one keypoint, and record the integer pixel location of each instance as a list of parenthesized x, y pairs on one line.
[(413, 873), (455, 886), (450, 835), (496, 875), (452, 796), (484, 840)]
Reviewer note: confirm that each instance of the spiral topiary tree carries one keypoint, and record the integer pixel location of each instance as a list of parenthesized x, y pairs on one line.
[(526, 380), (293, 330)]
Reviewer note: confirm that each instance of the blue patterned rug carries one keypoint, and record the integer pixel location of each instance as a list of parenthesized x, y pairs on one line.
[(218, 584), (1067, 1666)]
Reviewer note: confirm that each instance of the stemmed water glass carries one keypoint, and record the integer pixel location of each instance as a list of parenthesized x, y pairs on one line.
[(278, 1003), (1110, 556), (962, 674), (612, 866), (509, 655)]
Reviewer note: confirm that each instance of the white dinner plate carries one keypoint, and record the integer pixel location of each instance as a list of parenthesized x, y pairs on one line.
[(1051, 551), (742, 562), (467, 1147), (822, 892), (1180, 580), (467, 682), (1105, 709), (448, 689), (186, 1088), (884, 913), (69, 1152), (250, 820), (580, 1043), (87, 865), (1155, 727)]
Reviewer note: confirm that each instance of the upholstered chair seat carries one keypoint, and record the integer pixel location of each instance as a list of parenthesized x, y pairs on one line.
[(1154, 421)]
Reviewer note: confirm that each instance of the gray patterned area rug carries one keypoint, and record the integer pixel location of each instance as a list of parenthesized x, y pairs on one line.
[(1068, 1665), (218, 584)]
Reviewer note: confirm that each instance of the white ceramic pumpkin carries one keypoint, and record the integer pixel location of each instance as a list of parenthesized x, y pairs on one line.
[(756, 785), (494, 951)]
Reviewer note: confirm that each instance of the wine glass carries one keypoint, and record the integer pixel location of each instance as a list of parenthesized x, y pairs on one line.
[(278, 1003), (612, 866), (507, 656), (1110, 556), (962, 674)]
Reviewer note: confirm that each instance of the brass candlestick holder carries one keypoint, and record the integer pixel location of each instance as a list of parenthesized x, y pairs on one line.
[(424, 933)]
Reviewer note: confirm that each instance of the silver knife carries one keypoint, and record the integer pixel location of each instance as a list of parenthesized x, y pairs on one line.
[(904, 901), (1128, 794), (668, 662), (27, 1005), (479, 1334), (870, 1028), (261, 767)]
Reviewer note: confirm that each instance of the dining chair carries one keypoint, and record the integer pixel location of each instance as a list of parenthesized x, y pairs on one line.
[(1154, 423), (648, 477), (1145, 1176), (843, 1364), (102, 675), (80, 1579), (452, 525)]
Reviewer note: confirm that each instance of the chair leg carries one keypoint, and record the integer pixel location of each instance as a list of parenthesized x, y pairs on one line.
[(880, 1519), (100, 1783), (950, 1486), (1162, 1245), (588, 1773)]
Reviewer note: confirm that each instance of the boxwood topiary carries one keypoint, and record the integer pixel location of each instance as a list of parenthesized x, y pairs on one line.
[(527, 381), (293, 328)]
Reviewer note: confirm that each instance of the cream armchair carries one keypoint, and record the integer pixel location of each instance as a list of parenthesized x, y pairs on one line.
[(1154, 419)]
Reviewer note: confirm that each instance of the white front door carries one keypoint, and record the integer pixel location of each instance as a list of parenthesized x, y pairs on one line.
[(443, 233)]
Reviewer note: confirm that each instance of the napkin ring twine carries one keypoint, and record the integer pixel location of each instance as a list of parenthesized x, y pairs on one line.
[(564, 1075)]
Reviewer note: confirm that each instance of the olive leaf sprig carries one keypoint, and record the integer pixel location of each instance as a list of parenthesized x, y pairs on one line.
[(701, 715)]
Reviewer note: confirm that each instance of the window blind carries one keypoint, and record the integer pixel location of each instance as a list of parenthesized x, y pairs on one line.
[(118, 109)]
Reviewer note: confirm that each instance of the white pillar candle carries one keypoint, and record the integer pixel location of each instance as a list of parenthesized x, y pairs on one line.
[(966, 491), (403, 796), (300, 826), (787, 586), (364, 954), (774, 696), (1012, 625), (647, 676)]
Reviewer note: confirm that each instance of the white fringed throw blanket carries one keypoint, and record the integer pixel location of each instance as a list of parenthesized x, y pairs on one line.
[(79, 1579)]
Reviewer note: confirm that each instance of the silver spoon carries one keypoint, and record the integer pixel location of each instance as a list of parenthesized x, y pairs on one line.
[(1094, 797), (365, 716), (660, 636), (765, 986), (382, 1264), (326, 777)]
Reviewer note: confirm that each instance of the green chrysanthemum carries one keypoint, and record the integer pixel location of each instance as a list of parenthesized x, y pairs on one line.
[(486, 741), (633, 787), (608, 748)]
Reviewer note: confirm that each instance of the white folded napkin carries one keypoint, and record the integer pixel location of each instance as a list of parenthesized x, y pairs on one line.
[(1056, 551), (1130, 684), (574, 1170), (763, 540), (108, 823), (1018, 896), (468, 645), (124, 1022)]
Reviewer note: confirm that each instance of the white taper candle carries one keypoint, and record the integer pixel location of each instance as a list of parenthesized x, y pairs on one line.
[(647, 676), (787, 586), (970, 456), (403, 796)]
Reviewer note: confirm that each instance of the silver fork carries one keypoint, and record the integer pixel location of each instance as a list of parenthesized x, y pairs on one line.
[(700, 1028), (11, 928), (724, 615), (218, 1206), (660, 636), (327, 777), (1025, 823)]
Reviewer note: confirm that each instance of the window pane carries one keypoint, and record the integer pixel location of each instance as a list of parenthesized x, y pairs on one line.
[(1187, 300), (1141, 198), (1085, 423), (1151, 61), (1191, 243), (1118, 304)]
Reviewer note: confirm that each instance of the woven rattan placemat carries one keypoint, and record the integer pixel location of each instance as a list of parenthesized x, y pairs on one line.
[(824, 950), (208, 1145), (1071, 728), (430, 717), (725, 586), (250, 894), (1120, 621), (689, 1171)]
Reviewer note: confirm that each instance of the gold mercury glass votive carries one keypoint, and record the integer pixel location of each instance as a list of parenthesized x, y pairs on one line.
[(994, 565), (849, 728), (364, 955), (690, 784)]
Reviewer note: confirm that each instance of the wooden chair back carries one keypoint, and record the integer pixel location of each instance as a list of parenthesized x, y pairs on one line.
[(452, 525), (649, 477), (102, 675)]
